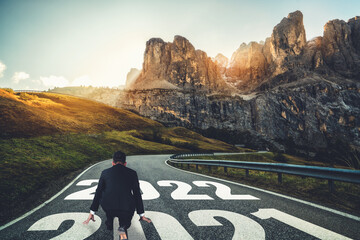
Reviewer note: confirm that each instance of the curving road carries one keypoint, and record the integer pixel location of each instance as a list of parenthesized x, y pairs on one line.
[(184, 206)]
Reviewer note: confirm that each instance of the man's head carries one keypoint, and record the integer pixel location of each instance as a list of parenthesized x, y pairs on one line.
[(119, 158)]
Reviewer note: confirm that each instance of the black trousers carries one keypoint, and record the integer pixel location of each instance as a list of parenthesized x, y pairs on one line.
[(124, 219)]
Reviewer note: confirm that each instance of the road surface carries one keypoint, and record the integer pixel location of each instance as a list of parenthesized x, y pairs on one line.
[(184, 206)]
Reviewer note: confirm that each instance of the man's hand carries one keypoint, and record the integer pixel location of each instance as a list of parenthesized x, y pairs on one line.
[(91, 217), (143, 218)]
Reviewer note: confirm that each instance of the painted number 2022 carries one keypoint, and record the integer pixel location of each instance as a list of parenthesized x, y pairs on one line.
[(180, 193)]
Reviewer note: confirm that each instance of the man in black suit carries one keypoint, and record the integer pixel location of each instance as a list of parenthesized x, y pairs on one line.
[(119, 193)]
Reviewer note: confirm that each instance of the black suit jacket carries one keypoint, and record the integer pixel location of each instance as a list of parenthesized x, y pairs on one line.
[(118, 189)]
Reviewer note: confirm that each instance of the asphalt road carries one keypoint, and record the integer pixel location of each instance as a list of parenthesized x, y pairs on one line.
[(184, 206)]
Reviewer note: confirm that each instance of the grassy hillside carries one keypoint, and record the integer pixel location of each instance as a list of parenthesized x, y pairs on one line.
[(44, 137), (37, 114)]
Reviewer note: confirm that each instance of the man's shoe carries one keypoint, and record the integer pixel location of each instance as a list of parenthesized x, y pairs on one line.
[(122, 233)]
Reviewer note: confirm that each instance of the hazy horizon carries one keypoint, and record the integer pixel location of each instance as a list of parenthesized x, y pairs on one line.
[(60, 43)]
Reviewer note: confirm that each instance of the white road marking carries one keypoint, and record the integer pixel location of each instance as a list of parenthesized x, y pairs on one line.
[(85, 194), (168, 227), (77, 231), (245, 228), (149, 192), (223, 191), (181, 193), (136, 231), (298, 223)]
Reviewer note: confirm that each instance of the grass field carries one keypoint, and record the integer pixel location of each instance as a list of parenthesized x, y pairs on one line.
[(345, 198), (38, 114), (44, 138)]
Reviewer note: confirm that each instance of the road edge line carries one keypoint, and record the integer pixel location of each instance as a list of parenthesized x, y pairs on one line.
[(276, 194), (49, 200)]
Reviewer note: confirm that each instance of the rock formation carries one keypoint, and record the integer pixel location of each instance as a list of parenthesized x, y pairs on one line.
[(340, 47), (178, 65), (248, 65), (288, 38), (253, 63), (222, 62)]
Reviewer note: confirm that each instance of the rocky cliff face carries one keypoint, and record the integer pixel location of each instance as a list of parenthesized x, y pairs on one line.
[(286, 92), (307, 116), (178, 65)]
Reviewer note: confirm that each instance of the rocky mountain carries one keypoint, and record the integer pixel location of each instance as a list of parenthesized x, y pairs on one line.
[(177, 65), (286, 93)]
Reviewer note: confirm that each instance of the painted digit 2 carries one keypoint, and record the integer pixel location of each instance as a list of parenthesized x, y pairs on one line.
[(86, 194), (182, 192), (223, 191), (77, 231)]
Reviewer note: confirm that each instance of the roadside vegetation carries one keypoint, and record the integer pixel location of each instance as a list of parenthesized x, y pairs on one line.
[(46, 139), (345, 198)]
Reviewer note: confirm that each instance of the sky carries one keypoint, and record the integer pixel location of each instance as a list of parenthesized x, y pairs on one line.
[(48, 43)]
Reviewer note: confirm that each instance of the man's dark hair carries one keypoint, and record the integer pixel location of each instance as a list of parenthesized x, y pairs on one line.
[(119, 156)]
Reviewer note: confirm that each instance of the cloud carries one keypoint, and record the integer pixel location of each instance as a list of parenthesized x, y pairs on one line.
[(55, 81), (2, 69), (84, 80), (18, 76)]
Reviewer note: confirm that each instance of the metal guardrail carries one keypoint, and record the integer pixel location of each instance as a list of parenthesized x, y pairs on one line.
[(331, 174), (180, 155)]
